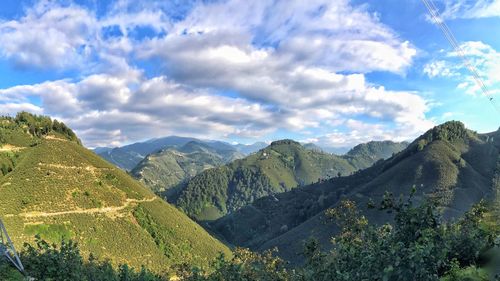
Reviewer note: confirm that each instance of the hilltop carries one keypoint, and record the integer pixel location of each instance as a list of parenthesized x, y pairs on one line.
[(450, 164), (166, 169), (54, 187), (280, 167)]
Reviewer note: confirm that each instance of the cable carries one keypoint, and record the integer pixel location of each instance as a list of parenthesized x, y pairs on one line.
[(433, 11)]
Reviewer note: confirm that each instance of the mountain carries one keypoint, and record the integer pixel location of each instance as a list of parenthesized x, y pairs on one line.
[(128, 156), (279, 167), (166, 169), (250, 148), (365, 154), (312, 146), (54, 187), (450, 164)]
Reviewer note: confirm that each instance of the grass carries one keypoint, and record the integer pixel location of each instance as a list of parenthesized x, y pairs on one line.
[(58, 189), (50, 232)]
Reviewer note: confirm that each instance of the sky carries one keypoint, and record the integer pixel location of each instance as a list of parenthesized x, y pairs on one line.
[(335, 73)]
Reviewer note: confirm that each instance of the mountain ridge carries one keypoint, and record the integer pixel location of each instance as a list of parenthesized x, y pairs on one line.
[(448, 163), (282, 166)]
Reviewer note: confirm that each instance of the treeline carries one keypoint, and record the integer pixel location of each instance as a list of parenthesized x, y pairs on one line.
[(417, 246), (36, 125)]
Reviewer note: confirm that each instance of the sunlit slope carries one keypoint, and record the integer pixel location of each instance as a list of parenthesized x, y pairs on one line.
[(165, 170), (58, 189), (449, 163)]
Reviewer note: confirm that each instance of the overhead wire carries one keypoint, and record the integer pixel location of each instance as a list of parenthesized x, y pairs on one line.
[(434, 13)]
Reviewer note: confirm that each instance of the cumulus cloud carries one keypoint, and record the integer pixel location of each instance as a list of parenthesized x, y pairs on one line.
[(484, 58), (263, 66), (108, 109)]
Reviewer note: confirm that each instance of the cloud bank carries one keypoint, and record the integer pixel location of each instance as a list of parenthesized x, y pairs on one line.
[(223, 69)]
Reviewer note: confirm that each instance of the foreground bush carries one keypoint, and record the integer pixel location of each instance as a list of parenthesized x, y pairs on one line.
[(65, 263)]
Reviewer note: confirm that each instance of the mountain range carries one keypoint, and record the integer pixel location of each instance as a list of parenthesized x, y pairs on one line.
[(276, 197), (450, 164), (280, 167), (162, 171), (128, 157)]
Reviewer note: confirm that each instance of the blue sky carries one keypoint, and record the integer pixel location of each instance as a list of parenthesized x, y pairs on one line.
[(336, 73)]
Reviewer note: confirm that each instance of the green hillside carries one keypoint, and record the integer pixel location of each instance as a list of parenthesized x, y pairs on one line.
[(449, 164), (364, 155), (280, 167), (54, 187), (164, 170)]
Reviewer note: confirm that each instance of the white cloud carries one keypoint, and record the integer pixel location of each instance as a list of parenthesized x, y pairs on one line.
[(469, 9), (262, 66), (48, 36), (108, 109), (13, 108), (484, 58)]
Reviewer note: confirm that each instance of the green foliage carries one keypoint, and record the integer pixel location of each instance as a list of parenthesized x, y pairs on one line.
[(245, 265), (51, 232), (364, 155), (471, 273), (417, 245), (38, 125), (8, 272), (50, 262)]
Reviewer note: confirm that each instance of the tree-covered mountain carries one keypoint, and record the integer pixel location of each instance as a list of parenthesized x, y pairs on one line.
[(365, 154), (449, 164), (283, 165), (54, 187), (166, 169)]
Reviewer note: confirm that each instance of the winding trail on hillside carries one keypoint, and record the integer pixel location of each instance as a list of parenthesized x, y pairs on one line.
[(87, 211)]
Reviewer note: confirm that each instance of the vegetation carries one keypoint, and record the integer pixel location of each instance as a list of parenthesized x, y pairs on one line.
[(58, 189), (419, 245), (35, 125), (127, 157), (282, 166), (364, 155), (166, 170), (456, 173)]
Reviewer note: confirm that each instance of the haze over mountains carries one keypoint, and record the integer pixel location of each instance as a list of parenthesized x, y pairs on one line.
[(171, 166), (172, 169), (127, 157)]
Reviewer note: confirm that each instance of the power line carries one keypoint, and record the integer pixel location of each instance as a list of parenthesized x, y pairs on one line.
[(434, 13)]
